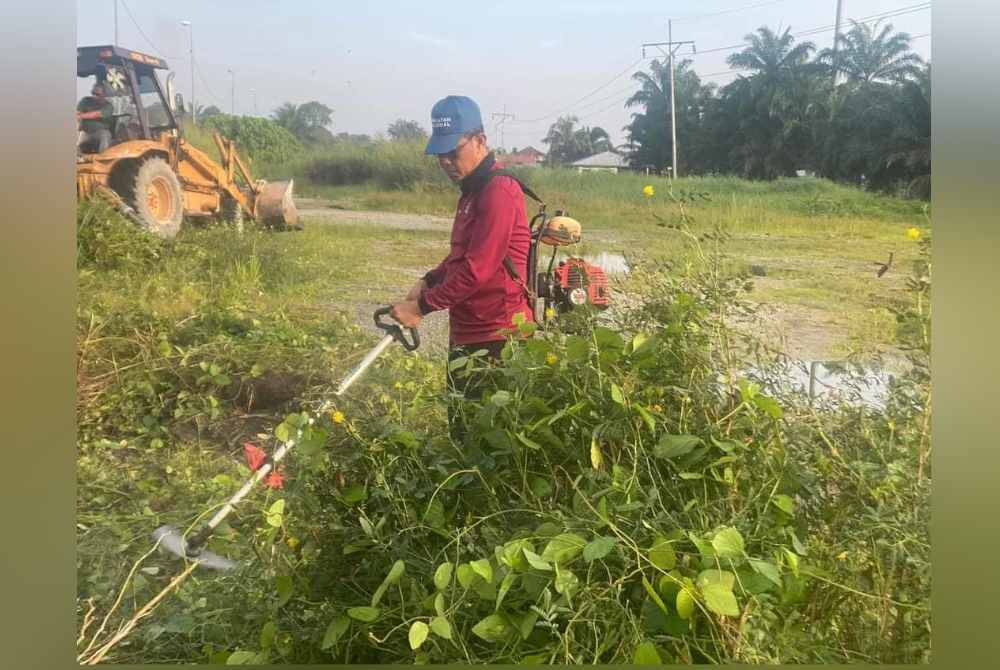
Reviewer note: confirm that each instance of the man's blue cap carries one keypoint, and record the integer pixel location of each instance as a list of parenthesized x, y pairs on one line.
[(451, 118)]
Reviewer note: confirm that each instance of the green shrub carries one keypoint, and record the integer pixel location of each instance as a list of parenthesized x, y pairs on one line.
[(107, 240), (259, 140), (391, 165)]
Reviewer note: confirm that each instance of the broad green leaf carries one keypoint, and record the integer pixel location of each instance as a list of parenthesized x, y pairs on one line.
[(395, 573), (267, 633), (646, 654), (493, 628), (563, 548), (723, 577), (366, 614), (466, 575), (439, 604), (784, 503), (483, 568), (596, 457), (527, 624), (566, 582), (598, 548), (418, 633), (685, 604), (354, 494), (728, 543), (434, 514), (245, 658), (793, 561), (691, 475), (765, 569), (536, 561), (283, 584), (540, 486), (674, 446), (511, 554), (616, 394), (275, 513), (334, 631), (508, 581), (654, 595), (283, 432), (768, 405), (441, 627), (501, 398), (646, 416), (662, 555), (720, 600), (442, 576), (528, 442)]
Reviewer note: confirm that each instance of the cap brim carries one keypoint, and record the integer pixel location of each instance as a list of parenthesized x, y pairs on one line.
[(442, 144)]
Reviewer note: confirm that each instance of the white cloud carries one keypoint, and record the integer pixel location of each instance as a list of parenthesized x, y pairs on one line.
[(548, 44)]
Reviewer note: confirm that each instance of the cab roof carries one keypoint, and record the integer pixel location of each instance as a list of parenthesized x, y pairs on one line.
[(90, 60)]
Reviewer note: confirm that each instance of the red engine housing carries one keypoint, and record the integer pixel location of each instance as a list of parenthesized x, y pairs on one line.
[(576, 273)]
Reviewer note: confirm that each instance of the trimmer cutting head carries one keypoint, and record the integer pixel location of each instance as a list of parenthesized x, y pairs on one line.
[(172, 540)]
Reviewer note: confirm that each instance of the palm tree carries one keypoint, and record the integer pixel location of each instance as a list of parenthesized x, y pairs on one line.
[(866, 55), (562, 140), (772, 104)]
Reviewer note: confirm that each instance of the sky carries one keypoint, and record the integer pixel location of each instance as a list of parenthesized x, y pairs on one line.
[(373, 63)]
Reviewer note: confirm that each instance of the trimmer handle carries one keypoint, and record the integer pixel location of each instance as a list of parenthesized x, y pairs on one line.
[(395, 330)]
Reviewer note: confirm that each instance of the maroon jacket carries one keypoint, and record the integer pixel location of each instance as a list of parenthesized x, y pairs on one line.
[(472, 283)]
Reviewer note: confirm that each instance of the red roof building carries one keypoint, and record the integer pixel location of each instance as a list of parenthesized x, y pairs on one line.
[(529, 156)]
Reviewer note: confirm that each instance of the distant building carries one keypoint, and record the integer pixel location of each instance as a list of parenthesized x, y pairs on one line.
[(607, 161), (529, 156)]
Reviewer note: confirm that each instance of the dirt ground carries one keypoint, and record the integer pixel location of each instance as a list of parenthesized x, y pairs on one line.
[(802, 332)]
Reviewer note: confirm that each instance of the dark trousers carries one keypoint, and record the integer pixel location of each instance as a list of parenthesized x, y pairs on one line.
[(469, 385)]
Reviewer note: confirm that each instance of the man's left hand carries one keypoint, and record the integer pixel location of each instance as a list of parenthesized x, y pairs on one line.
[(407, 313)]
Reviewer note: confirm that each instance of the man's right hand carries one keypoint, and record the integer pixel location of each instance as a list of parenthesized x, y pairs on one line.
[(417, 289)]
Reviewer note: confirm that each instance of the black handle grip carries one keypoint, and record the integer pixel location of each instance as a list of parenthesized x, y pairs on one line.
[(395, 330)]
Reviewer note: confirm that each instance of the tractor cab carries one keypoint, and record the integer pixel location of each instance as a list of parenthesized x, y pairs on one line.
[(141, 108)]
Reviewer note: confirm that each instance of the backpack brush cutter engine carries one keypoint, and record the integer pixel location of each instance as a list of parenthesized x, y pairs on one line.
[(572, 284)]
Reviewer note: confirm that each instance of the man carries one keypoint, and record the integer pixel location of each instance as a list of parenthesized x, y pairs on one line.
[(95, 114), (472, 283)]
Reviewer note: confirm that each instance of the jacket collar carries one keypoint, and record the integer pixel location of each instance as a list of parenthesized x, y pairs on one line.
[(477, 179)]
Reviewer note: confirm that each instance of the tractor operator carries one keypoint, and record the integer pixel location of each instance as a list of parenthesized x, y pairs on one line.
[(472, 282), (94, 114)]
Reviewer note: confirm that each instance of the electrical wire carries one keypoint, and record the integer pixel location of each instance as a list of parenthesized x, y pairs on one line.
[(697, 17), (571, 106), (156, 49)]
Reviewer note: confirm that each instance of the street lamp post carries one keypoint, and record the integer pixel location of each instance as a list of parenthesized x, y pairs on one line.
[(194, 112), (232, 95)]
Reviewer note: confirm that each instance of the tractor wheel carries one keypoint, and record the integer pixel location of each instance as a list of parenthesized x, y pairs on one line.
[(157, 198)]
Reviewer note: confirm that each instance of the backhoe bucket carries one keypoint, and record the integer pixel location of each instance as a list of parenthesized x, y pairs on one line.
[(274, 205)]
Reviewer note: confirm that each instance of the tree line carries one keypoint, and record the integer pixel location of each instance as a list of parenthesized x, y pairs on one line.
[(785, 113)]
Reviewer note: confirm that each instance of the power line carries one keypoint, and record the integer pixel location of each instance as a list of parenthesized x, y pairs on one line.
[(599, 88), (696, 17), (821, 29), (156, 50)]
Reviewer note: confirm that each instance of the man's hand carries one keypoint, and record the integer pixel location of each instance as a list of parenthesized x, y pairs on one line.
[(417, 289), (407, 313)]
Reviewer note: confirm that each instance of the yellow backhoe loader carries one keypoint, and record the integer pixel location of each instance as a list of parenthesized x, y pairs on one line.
[(148, 169)]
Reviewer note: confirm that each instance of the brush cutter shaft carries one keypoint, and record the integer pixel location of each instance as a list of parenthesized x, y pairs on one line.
[(365, 362), (250, 483)]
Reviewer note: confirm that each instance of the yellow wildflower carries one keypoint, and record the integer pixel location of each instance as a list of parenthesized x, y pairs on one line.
[(338, 417), (397, 386), (913, 233), (551, 358), (292, 542), (648, 191), (550, 313), (842, 556)]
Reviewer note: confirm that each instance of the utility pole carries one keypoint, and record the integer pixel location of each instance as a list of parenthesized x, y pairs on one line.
[(672, 49), (116, 22), (499, 124), (836, 42), (194, 107), (232, 95)]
